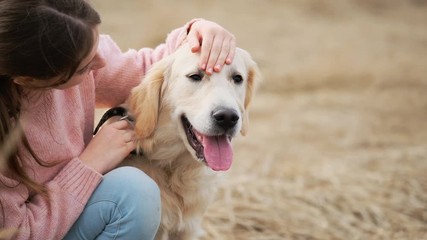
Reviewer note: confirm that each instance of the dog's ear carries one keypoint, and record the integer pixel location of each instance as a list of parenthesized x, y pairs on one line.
[(254, 77), (144, 100)]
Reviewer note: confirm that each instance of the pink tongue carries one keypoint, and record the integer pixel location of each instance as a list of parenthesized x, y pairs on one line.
[(218, 152)]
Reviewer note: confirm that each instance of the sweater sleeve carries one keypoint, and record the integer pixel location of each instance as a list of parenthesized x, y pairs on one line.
[(123, 71), (41, 218)]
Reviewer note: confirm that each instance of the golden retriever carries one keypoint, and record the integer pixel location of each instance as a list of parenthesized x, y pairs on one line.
[(185, 121)]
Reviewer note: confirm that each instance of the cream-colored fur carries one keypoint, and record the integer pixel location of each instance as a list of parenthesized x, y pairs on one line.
[(187, 184)]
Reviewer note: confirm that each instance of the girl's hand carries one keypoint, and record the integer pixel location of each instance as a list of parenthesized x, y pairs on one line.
[(217, 45), (109, 146)]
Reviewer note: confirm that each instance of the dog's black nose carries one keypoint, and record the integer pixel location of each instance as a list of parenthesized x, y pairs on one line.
[(225, 118)]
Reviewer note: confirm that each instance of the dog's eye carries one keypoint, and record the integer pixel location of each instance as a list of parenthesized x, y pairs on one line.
[(195, 77), (237, 78)]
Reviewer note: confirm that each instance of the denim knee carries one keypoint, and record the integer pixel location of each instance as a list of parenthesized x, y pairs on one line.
[(131, 180), (138, 200), (126, 205)]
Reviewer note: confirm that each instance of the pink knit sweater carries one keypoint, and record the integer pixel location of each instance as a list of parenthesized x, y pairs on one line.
[(59, 125)]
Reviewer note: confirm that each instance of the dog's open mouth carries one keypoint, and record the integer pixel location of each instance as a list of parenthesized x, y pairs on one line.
[(216, 151)]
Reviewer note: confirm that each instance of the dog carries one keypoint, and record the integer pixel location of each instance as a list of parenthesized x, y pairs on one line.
[(184, 123)]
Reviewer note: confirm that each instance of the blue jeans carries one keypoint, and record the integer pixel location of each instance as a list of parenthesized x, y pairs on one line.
[(126, 205)]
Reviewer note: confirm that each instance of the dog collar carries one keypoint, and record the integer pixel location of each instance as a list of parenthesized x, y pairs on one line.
[(115, 111)]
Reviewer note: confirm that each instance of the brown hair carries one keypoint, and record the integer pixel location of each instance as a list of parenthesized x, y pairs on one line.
[(40, 39)]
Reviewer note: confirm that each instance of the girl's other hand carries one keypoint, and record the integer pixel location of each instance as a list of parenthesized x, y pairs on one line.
[(109, 146), (216, 44)]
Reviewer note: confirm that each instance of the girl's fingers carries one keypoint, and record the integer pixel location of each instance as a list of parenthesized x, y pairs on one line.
[(205, 52), (231, 52), (129, 136), (216, 45), (122, 124), (193, 41), (119, 124), (221, 60), (215, 52), (130, 146)]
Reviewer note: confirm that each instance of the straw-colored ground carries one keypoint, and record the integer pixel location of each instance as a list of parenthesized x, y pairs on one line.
[(337, 147)]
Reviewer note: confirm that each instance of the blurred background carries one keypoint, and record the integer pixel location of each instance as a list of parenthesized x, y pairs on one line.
[(337, 144)]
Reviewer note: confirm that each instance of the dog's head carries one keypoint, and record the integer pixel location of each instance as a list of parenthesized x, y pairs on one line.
[(204, 112)]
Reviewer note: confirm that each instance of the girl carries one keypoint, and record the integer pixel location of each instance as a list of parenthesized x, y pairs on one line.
[(58, 181)]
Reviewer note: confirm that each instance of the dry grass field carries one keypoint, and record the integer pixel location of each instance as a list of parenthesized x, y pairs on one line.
[(337, 146)]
